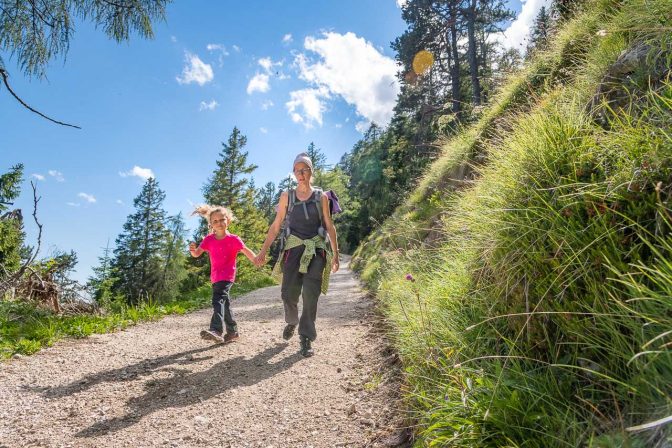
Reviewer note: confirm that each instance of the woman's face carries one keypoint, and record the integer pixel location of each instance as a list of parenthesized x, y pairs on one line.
[(218, 221), (302, 173)]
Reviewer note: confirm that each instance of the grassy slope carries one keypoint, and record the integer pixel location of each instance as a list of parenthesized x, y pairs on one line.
[(541, 250)]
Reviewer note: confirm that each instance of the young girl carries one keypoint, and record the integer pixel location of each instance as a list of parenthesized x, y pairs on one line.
[(223, 247)]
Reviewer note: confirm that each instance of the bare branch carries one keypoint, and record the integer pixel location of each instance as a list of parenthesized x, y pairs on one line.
[(4, 75), (6, 284)]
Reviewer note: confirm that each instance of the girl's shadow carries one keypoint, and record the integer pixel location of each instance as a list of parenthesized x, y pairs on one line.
[(185, 389)]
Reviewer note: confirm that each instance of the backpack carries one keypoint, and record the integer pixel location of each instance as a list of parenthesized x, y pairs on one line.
[(334, 208)]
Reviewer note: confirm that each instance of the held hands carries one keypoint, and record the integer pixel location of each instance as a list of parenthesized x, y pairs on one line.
[(260, 259)]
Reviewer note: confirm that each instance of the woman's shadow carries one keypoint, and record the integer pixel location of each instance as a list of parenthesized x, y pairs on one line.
[(185, 388)]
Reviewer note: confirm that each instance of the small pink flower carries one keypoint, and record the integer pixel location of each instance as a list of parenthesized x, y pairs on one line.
[(410, 278)]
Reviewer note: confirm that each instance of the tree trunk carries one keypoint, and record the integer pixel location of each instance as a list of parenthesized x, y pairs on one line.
[(455, 67), (471, 52)]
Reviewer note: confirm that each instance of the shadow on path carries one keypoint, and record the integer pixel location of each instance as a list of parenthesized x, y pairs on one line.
[(127, 373), (185, 389)]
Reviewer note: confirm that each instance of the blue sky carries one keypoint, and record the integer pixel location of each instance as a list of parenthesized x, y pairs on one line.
[(285, 73)]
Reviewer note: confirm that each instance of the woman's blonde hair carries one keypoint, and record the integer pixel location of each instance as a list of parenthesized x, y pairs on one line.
[(206, 212)]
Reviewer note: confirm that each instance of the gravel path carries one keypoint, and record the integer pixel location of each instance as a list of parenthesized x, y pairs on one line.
[(159, 384)]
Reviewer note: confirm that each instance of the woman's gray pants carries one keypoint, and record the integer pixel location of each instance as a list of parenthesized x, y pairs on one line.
[(308, 285)]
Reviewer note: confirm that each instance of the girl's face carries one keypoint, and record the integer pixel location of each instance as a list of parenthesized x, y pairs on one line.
[(218, 221), (302, 173)]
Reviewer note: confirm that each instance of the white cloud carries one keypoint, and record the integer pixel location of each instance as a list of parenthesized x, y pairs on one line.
[(236, 48), (310, 102), (37, 176), (259, 83), (362, 126), (287, 38), (263, 130), (217, 47), (208, 106), (196, 71), (267, 105), (173, 39), (57, 175), (221, 49), (87, 197), (338, 125), (515, 36), (119, 201), (72, 204), (266, 63), (143, 173), (401, 3), (352, 68)]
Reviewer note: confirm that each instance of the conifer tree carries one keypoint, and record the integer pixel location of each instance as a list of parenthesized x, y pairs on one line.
[(174, 270), (540, 31), (11, 225), (266, 201), (140, 247), (102, 280), (319, 163), (230, 186)]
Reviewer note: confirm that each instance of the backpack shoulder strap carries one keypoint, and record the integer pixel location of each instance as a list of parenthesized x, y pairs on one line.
[(318, 203), (291, 199)]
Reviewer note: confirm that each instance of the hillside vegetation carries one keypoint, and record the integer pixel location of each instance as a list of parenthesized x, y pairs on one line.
[(527, 280)]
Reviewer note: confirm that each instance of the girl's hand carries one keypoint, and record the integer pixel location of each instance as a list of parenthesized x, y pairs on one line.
[(260, 259), (335, 264), (192, 246)]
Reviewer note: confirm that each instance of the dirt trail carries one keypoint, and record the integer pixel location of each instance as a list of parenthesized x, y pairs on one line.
[(159, 384)]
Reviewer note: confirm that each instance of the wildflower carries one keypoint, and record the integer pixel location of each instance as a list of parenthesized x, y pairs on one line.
[(410, 278), (601, 33)]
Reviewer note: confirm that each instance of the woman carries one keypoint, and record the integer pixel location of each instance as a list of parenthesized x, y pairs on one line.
[(310, 245)]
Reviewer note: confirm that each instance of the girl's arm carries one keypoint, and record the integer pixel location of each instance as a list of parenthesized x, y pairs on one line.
[(274, 229), (195, 251), (331, 231), (249, 254)]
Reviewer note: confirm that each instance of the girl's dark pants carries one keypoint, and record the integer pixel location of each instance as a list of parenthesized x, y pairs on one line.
[(222, 315), (310, 283)]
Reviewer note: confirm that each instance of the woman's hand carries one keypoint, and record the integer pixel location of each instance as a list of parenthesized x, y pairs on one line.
[(260, 259), (335, 263)]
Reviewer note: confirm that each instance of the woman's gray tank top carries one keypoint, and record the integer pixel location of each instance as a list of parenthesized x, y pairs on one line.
[(299, 225)]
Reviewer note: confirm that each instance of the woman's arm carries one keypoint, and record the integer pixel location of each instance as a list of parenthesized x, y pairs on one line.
[(274, 229), (331, 231)]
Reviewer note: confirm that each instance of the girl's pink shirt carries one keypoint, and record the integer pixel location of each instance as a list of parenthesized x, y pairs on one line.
[(222, 256)]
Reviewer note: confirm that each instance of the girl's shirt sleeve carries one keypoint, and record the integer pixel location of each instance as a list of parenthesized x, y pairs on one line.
[(239, 244), (205, 244)]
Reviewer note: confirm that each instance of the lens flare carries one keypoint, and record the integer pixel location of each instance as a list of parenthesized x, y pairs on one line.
[(422, 61)]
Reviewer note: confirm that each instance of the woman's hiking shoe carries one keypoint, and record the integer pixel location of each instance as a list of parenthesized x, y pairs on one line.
[(288, 332), (306, 349), (211, 335), (230, 337)]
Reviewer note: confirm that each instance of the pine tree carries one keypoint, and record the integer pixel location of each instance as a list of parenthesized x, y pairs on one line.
[(140, 247), (540, 31), (229, 186), (319, 163), (36, 32), (266, 201), (228, 182), (11, 222), (174, 270), (101, 282)]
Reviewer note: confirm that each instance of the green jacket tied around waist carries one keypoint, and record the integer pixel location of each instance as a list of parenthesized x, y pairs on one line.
[(316, 242)]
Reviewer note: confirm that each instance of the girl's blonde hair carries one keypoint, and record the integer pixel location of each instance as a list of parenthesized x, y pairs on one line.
[(206, 212)]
